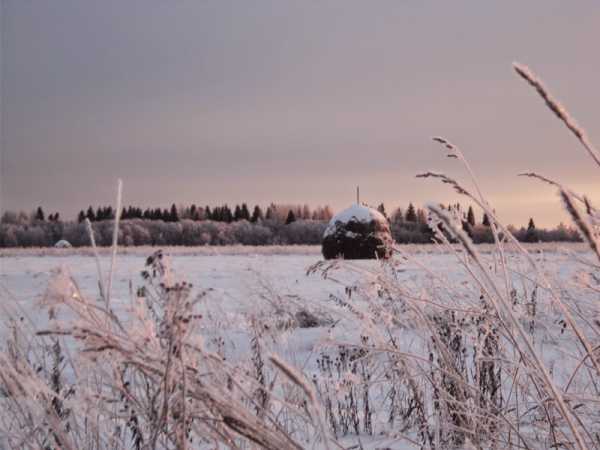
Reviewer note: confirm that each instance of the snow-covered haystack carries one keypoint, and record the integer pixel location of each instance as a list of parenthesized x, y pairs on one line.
[(63, 244), (358, 232)]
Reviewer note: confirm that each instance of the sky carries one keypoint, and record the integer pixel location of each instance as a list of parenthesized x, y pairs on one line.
[(220, 101)]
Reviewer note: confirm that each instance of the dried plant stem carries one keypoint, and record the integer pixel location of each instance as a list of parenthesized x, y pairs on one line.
[(114, 243), (558, 109), (90, 231)]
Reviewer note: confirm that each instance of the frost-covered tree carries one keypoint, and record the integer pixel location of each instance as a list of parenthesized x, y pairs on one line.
[(9, 217), (397, 216)]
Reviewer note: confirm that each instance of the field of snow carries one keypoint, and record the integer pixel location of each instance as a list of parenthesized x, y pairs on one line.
[(238, 277), (240, 287), (241, 283)]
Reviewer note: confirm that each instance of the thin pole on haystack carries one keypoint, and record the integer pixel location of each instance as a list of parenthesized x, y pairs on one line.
[(357, 195)]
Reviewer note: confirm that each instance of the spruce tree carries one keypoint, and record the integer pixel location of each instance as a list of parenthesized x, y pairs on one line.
[(270, 212), (291, 217), (245, 214), (80, 216), (174, 215), (486, 220), (39, 214), (411, 214), (208, 213), (381, 209), (237, 215), (531, 235), (90, 214), (227, 215), (471, 217), (257, 214)]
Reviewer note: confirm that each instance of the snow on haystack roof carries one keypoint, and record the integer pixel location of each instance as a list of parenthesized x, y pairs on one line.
[(355, 213)]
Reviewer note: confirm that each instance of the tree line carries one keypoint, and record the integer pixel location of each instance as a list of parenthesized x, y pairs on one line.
[(280, 224), (223, 213)]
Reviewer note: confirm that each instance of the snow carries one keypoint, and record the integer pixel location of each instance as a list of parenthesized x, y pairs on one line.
[(356, 213), (246, 284), (63, 244)]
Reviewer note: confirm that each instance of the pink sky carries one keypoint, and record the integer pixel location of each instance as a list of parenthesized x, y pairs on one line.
[(222, 101)]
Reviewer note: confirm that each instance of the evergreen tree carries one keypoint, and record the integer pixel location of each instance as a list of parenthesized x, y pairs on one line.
[(81, 216), (245, 214), (411, 214), (398, 216), (381, 209), (305, 212), (174, 215), (56, 217), (471, 217), (531, 235), (208, 213), (194, 215), (237, 215), (39, 214), (486, 220), (291, 217), (90, 214), (257, 214), (227, 216), (270, 212)]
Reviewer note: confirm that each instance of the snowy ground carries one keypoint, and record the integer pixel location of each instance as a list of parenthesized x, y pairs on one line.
[(237, 276), (243, 283)]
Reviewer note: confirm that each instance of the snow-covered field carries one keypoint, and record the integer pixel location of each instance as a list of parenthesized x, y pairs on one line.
[(354, 301), (239, 278)]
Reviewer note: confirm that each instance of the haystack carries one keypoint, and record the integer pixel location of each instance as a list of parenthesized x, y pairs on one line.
[(358, 232)]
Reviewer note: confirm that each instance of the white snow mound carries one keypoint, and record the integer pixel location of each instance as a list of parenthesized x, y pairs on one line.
[(355, 213)]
